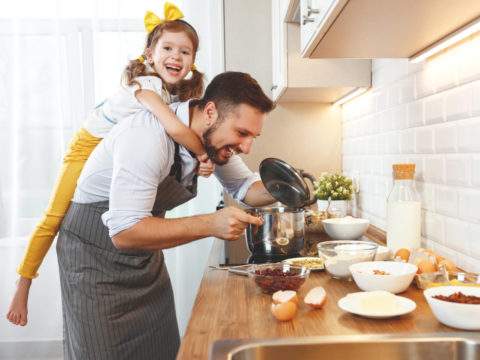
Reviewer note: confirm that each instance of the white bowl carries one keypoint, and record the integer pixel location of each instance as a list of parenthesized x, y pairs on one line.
[(459, 316), (346, 228), (382, 252), (398, 278)]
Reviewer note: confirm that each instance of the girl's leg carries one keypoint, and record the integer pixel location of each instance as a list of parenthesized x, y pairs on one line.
[(79, 149)]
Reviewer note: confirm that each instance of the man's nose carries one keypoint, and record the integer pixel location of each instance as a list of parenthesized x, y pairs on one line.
[(246, 144)]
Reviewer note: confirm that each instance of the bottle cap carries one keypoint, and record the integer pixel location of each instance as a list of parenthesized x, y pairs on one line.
[(403, 171)]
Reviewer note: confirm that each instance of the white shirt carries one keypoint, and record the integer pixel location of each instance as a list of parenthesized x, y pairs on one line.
[(130, 162), (121, 105)]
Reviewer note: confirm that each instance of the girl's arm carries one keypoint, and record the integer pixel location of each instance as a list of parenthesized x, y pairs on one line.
[(174, 127)]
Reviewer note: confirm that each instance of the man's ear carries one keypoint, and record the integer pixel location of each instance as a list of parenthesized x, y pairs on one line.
[(148, 54), (210, 112)]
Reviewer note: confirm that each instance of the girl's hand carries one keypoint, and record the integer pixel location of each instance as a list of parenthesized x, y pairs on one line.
[(206, 166)]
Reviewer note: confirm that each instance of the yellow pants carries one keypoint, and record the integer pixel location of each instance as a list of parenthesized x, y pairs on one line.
[(79, 149)]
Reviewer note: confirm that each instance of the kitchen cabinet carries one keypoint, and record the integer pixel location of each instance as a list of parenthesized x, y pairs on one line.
[(296, 79), (377, 28)]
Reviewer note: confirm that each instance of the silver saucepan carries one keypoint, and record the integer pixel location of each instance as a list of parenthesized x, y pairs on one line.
[(283, 229)]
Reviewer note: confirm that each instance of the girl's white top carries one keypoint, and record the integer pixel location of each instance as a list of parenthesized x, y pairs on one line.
[(123, 104)]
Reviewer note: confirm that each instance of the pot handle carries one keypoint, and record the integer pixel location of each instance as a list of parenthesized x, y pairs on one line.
[(312, 179)]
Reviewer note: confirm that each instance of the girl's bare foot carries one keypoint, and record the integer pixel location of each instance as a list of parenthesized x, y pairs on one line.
[(17, 312)]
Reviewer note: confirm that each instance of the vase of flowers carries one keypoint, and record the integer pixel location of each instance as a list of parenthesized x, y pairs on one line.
[(333, 191)]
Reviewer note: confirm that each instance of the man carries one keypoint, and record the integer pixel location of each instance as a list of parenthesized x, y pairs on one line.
[(116, 292)]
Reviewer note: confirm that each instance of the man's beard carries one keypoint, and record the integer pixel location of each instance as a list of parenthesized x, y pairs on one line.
[(212, 152)]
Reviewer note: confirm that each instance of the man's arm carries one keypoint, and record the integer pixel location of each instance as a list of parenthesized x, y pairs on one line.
[(257, 195), (158, 233)]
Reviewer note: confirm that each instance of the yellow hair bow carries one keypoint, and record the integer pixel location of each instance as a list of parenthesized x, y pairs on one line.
[(170, 12)]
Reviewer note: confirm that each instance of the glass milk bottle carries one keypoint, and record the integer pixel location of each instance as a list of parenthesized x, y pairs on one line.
[(403, 210)]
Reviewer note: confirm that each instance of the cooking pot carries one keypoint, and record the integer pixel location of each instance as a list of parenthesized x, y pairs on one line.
[(283, 229)]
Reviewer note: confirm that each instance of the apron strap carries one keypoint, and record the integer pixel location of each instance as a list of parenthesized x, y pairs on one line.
[(176, 169)]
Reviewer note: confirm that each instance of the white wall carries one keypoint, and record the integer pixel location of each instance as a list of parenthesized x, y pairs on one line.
[(428, 114)]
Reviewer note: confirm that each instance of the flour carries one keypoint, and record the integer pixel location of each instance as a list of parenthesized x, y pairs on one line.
[(338, 265)]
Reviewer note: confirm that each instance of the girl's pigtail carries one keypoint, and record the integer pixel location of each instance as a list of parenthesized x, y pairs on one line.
[(134, 69), (191, 88)]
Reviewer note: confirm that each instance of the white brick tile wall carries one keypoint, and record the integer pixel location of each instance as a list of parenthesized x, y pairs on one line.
[(434, 169), (399, 118), (407, 90), (458, 103), (415, 114), (424, 140), (469, 263), (434, 110), (434, 227), (393, 95), (457, 235), (446, 201), (428, 114), (469, 204), (445, 138), (458, 169), (468, 135), (424, 81), (475, 170), (407, 141), (475, 241), (427, 194), (468, 60), (476, 98), (445, 74)]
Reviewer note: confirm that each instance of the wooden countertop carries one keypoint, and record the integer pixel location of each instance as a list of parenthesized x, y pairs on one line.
[(232, 306)]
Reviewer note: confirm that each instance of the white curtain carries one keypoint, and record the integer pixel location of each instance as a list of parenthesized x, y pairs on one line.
[(58, 59)]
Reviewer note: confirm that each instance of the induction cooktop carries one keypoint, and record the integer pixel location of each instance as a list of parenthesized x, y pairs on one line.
[(237, 253)]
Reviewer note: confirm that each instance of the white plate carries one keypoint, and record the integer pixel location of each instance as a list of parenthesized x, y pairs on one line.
[(292, 260), (404, 306)]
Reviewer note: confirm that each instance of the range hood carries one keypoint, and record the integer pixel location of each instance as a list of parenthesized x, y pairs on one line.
[(384, 28)]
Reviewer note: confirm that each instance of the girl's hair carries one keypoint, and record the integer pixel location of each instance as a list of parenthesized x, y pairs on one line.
[(186, 88)]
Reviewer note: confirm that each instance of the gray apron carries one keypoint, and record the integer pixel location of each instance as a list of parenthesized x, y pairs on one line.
[(117, 304)]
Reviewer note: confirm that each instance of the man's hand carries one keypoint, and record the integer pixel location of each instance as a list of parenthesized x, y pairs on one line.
[(229, 223), (205, 167)]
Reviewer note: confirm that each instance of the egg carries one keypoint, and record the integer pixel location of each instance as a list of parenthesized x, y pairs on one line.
[(431, 253), (449, 265), (316, 297), (403, 253), (424, 266), (283, 296), (284, 311)]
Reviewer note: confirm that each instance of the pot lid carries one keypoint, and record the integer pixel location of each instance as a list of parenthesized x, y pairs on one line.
[(285, 183)]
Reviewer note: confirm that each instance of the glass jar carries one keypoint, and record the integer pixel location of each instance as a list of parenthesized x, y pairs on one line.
[(403, 210)]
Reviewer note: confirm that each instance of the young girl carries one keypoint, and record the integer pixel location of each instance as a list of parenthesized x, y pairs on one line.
[(157, 77)]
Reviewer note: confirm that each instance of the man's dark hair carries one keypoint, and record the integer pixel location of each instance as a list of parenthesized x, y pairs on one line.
[(229, 89)]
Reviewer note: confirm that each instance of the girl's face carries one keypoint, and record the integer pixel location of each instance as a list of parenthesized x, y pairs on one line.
[(172, 56)]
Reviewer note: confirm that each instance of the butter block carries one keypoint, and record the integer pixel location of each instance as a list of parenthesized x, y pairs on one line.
[(378, 302)]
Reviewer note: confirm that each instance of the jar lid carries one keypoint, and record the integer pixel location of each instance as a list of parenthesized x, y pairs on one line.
[(403, 171)]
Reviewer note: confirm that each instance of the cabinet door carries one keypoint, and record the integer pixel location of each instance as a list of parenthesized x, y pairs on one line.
[(315, 19), (279, 48)]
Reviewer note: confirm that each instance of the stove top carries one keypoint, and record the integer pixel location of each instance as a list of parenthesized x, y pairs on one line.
[(237, 253)]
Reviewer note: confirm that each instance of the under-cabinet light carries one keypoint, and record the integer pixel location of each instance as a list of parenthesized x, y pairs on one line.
[(350, 96), (447, 41)]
